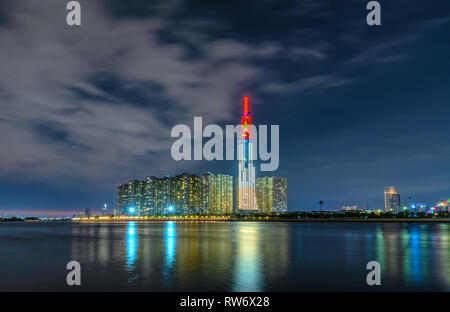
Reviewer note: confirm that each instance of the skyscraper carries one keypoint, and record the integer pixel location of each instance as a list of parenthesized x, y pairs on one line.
[(391, 199), (224, 191), (271, 194), (279, 194), (136, 198), (217, 194), (121, 198), (246, 195), (186, 193)]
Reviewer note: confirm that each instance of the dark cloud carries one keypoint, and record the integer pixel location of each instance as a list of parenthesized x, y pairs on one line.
[(55, 133), (52, 131), (133, 8)]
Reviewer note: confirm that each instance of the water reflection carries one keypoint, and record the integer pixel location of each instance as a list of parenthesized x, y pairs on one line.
[(444, 253), (246, 256), (415, 254), (406, 263), (413, 251), (247, 273), (131, 240), (170, 235), (379, 246)]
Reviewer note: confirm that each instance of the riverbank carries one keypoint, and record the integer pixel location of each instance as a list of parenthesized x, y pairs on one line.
[(227, 219)]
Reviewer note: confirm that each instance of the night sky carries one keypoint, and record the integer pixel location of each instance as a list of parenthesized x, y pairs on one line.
[(83, 109)]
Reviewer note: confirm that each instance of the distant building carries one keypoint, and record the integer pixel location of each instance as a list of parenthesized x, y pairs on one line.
[(87, 213), (121, 199), (443, 205), (280, 194), (391, 199), (271, 194), (350, 208)]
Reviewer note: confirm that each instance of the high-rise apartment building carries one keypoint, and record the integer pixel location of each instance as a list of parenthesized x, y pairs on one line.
[(121, 198), (186, 193), (136, 199), (224, 191), (157, 192), (217, 194), (280, 203), (271, 194), (130, 198), (391, 199)]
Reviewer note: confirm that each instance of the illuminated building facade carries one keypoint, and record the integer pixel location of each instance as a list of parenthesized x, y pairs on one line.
[(271, 194), (280, 194), (136, 190), (391, 199), (157, 195), (185, 194), (443, 205), (217, 194), (264, 194), (246, 193), (130, 198), (224, 191), (121, 198), (350, 208)]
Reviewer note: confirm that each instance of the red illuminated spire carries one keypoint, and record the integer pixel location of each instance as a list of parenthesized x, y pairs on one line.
[(246, 120), (245, 104)]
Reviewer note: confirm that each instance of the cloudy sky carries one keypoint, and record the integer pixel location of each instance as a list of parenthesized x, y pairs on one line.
[(83, 109)]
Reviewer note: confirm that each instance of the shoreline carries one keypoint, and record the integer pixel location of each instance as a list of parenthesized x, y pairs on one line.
[(91, 220)]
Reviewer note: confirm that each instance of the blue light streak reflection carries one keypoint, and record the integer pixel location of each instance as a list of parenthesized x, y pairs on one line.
[(131, 251), (170, 236)]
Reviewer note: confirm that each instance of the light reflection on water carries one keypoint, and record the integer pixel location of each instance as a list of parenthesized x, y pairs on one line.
[(227, 256), (246, 256), (131, 250), (170, 235), (247, 271), (415, 255)]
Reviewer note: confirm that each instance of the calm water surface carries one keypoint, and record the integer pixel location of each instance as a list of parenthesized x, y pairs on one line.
[(225, 256)]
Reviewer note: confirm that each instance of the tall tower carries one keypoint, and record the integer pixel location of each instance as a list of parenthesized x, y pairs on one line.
[(246, 199), (391, 199)]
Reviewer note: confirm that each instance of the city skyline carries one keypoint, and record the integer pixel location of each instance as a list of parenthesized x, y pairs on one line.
[(359, 107), (193, 194), (189, 194)]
